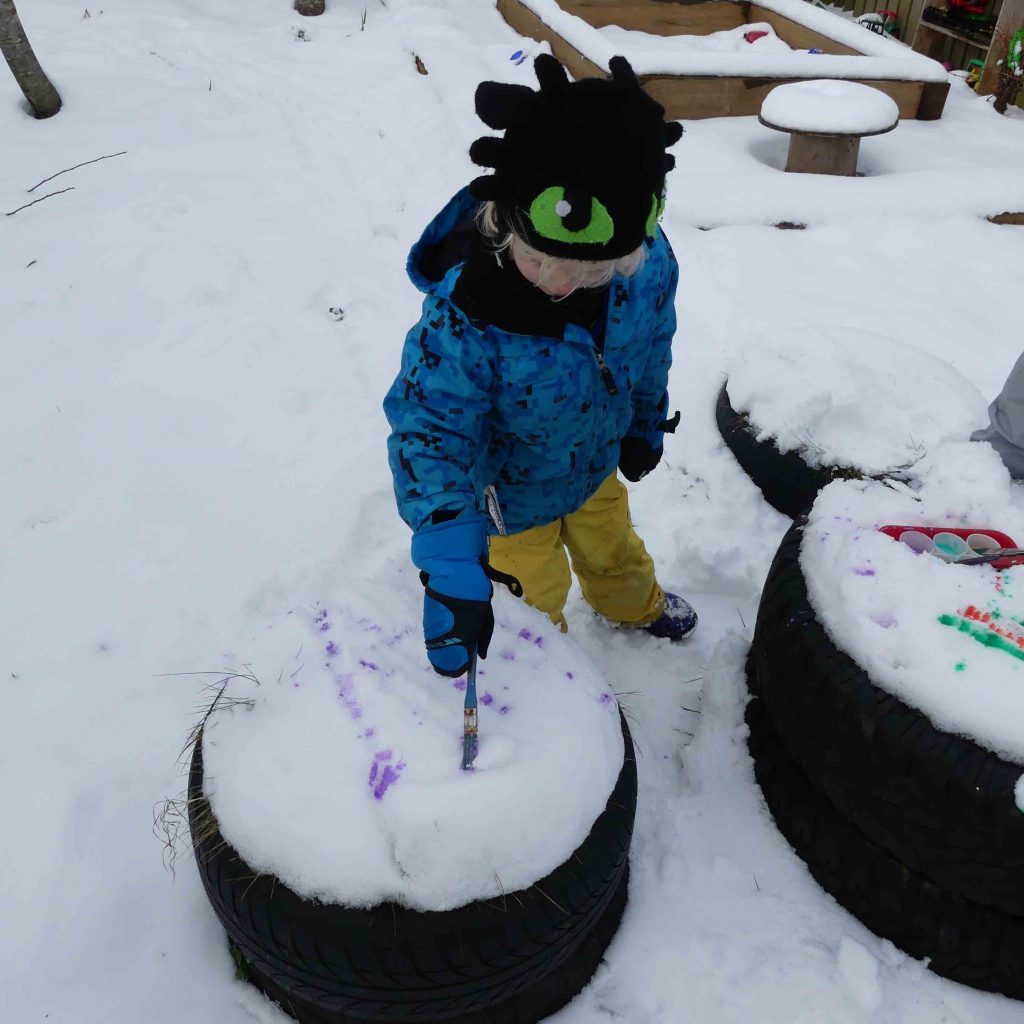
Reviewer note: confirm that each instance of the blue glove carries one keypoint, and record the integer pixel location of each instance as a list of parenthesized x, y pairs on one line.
[(457, 616)]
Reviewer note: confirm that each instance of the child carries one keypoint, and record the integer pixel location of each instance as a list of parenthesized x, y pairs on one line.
[(540, 363)]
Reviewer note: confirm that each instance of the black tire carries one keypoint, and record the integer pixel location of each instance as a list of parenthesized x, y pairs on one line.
[(511, 960), (974, 945), (788, 483), (941, 804)]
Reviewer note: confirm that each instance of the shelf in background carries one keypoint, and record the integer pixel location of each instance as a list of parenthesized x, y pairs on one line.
[(953, 34)]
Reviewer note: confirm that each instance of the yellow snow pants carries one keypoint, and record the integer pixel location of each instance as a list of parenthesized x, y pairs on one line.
[(615, 571)]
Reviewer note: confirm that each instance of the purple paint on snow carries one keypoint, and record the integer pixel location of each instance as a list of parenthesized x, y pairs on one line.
[(569, 675), (459, 684), (525, 634), (606, 699), (504, 709), (507, 656), (842, 519), (383, 755), (368, 664), (884, 619), (539, 642), (387, 780), (331, 648), (369, 732), (487, 700), (863, 572), (324, 626)]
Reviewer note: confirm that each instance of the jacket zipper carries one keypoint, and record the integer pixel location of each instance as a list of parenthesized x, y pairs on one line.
[(607, 377)]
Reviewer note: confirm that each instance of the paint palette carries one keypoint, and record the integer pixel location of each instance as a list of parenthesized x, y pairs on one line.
[(974, 546)]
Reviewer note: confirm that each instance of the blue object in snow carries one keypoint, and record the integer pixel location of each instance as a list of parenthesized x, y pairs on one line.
[(470, 735), (518, 57)]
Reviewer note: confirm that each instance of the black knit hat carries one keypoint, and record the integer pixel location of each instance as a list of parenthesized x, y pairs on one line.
[(580, 172)]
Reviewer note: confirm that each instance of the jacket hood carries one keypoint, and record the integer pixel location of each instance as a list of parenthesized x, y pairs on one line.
[(444, 244)]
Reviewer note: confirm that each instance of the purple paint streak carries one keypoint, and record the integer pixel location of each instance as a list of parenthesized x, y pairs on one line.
[(863, 572), (368, 664), (459, 684), (504, 709), (606, 699), (382, 774), (332, 649), (487, 700), (885, 620), (507, 656), (525, 634), (569, 675), (539, 642)]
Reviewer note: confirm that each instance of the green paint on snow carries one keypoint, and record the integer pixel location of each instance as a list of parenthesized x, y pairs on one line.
[(960, 666), (983, 635)]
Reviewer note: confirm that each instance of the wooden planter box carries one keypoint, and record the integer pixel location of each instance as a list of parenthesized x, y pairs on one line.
[(919, 89)]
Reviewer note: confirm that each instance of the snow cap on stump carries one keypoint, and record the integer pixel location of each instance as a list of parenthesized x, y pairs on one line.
[(828, 106)]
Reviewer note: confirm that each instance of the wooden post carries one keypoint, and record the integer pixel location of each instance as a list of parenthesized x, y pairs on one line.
[(823, 154), (1011, 18)]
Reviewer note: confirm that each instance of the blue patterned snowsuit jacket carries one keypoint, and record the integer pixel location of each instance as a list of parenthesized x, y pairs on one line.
[(474, 405)]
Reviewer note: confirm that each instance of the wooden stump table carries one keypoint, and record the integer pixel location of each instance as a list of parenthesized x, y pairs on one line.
[(826, 119)]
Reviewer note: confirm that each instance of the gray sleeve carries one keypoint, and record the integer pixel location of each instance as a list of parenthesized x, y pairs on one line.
[(1005, 431)]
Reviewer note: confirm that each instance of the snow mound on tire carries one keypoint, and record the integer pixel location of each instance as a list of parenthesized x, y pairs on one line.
[(946, 639), (846, 397), (333, 759)]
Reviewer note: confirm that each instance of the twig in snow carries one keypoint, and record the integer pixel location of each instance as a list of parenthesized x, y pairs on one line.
[(11, 213), (756, 886), (740, 614), (75, 168)]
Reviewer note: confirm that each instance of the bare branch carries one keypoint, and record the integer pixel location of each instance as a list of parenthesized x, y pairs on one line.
[(75, 168), (39, 200)]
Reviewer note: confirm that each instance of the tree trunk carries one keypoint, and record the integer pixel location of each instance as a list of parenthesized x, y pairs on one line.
[(14, 45), (309, 7)]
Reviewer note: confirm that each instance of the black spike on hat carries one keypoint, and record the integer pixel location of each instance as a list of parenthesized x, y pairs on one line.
[(580, 171)]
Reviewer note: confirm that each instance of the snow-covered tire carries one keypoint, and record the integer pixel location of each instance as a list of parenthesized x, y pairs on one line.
[(940, 803), (975, 945), (788, 483), (511, 960)]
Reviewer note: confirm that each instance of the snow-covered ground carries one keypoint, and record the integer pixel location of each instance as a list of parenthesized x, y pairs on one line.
[(192, 444)]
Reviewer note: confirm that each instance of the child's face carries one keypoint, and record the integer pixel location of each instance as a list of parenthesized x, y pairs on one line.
[(558, 277)]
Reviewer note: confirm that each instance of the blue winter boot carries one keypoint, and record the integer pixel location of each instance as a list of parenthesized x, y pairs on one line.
[(676, 622)]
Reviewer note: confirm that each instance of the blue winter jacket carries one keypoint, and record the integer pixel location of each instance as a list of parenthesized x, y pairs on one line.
[(476, 406)]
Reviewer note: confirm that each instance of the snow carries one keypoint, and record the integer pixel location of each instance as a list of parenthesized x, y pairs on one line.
[(884, 58), (645, 46), (830, 107), (192, 446), (852, 398), (914, 621), (343, 776)]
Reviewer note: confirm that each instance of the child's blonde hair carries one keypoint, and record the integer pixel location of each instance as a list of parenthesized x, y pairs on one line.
[(506, 240)]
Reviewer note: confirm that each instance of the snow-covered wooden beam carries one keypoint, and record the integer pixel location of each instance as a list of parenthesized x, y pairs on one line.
[(692, 85)]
